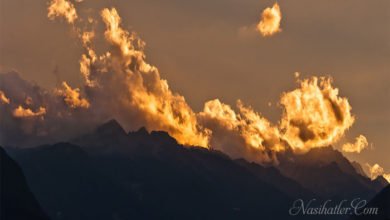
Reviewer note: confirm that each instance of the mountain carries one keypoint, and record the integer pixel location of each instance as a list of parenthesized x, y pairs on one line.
[(107, 139), (16, 200), (272, 175), (382, 202), (328, 173), (70, 184), (358, 168), (111, 174)]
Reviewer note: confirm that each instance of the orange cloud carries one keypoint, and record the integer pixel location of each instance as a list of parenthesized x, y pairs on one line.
[(72, 97), (314, 115), (3, 98), (376, 170), (360, 144), (21, 112), (123, 78), (270, 21), (252, 136), (64, 8)]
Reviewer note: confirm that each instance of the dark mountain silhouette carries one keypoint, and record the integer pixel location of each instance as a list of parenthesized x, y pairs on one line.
[(379, 182), (380, 201), (358, 168), (111, 138), (273, 176), (111, 174), (141, 175), (69, 184), (16, 200), (328, 173)]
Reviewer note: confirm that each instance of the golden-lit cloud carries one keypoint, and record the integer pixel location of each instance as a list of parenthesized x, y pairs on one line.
[(87, 37), (314, 115), (72, 97), (3, 98), (123, 78), (360, 144), (244, 134), (62, 8), (130, 46), (21, 112), (376, 170), (37, 115), (256, 131), (270, 21), (387, 177), (119, 83)]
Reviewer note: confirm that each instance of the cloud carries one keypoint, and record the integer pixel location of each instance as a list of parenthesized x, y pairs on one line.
[(360, 144), (119, 83), (270, 21), (62, 8), (72, 97), (387, 177), (21, 112), (242, 134), (376, 170), (36, 115), (133, 88), (3, 98), (314, 115)]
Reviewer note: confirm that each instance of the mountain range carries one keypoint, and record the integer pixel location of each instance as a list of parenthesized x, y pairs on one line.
[(112, 174)]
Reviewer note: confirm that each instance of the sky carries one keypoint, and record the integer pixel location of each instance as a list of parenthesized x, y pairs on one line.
[(207, 49)]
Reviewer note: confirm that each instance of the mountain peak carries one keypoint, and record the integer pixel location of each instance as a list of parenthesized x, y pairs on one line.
[(358, 168), (163, 137), (381, 181), (326, 155), (143, 132), (111, 127)]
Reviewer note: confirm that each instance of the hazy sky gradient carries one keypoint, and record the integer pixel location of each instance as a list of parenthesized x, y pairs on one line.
[(206, 50)]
